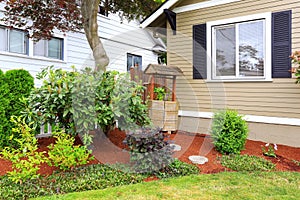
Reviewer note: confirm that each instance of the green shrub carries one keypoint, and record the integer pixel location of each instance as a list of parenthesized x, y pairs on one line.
[(246, 163), (149, 150), (15, 85), (129, 109), (20, 84), (92, 177), (25, 159), (229, 132), (80, 100), (4, 125), (52, 102), (65, 155), (178, 168)]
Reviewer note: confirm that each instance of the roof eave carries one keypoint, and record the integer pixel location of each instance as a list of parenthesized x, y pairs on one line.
[(156, 14)]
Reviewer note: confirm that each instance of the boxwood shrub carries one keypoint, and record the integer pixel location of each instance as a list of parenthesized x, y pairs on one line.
[(229, 132)]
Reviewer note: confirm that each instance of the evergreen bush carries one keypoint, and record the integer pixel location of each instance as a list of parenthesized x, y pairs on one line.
[(4, 92), (229, 132), (20, 83), (15, 85)]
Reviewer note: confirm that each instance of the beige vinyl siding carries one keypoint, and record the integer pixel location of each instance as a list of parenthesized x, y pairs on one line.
[(188, 2), (279, 98)]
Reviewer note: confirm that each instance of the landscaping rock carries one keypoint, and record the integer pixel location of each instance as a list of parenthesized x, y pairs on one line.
[(176, 147), (198, 159)]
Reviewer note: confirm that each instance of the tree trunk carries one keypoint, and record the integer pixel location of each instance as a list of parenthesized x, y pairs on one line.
[(89, 10)]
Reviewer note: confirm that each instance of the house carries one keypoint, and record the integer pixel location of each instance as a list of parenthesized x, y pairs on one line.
[(234, 54), (126, 45)]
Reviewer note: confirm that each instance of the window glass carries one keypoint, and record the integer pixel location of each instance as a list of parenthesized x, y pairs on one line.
[(134, 61), (225, 51), (17, 41), (239, 50), (39, 48), (3, 40), (138, 61), (55, 48), (251, 49)]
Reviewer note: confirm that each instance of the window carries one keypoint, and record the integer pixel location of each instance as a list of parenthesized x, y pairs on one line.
[(134, 60), (14, 41), (240, 48), (52, 48)]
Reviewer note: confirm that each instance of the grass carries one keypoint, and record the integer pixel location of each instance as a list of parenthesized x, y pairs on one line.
[(227, 185)]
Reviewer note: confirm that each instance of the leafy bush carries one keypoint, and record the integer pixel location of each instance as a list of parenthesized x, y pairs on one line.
[(4, 125), (92, 177), (129, 109), (65, 155), (52, 102), (178, 168), (79, 101), (25, 159), (229, 132), (246, 163), (149, 150)]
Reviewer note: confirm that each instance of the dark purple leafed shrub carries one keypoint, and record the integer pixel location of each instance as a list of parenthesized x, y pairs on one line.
[(149, 150)]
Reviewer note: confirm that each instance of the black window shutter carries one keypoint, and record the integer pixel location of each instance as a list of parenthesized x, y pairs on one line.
[(199, 52), (281, 44)]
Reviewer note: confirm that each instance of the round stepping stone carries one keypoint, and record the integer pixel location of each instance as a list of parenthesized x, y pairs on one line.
[(176, 147), (198, 159)]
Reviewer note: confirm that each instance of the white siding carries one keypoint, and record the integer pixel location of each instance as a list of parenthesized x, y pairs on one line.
[(118, 38)]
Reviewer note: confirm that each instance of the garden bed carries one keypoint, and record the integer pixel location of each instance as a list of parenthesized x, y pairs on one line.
[(112, 151)]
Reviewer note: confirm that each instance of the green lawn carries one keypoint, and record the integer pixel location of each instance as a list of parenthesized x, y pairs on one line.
[(234, 185)]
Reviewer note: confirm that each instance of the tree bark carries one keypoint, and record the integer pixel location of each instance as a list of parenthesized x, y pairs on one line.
[(89, 11)]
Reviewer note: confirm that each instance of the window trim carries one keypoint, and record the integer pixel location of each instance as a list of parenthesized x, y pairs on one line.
[(268, 47)]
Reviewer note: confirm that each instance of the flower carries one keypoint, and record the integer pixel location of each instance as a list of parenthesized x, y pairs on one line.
[(267, 144), (275, 147)]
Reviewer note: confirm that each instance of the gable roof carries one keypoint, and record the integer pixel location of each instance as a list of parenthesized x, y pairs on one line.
[(158, 12)]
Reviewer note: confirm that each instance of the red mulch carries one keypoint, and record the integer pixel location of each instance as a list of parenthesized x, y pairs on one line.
[(112, 150)]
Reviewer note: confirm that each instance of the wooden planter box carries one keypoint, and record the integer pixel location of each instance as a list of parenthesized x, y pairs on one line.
[(164, 114)]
